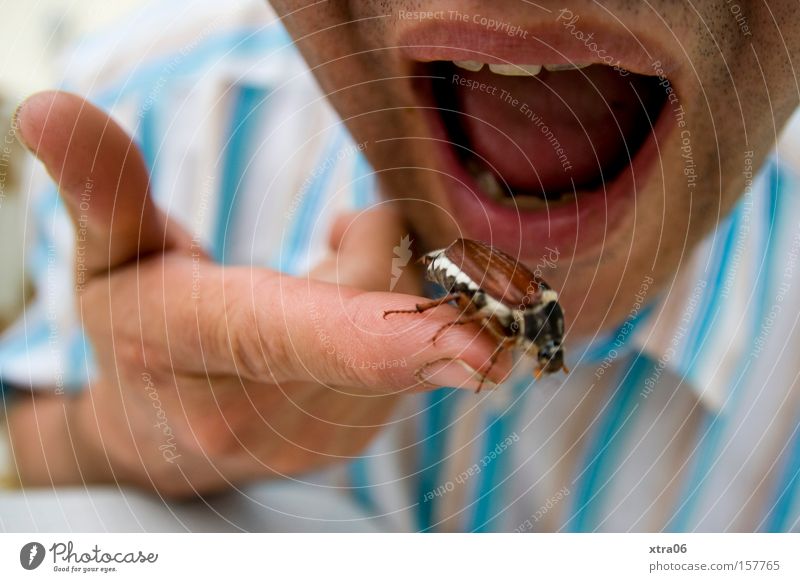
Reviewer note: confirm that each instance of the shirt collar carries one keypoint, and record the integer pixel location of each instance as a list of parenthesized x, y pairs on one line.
[(702, 327)]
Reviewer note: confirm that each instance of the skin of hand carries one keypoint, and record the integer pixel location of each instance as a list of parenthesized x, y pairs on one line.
[(212, 376)]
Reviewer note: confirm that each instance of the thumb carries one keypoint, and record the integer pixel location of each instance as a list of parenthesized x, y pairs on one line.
[(371, 250), (101, 177)]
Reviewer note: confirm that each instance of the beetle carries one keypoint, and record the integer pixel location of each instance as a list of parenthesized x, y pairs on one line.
[(490, 287)]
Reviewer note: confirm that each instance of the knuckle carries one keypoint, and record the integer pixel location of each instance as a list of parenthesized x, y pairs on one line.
[(258, 353), (239, 339)]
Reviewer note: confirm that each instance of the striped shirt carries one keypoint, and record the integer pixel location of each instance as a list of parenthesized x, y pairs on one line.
[(684, 418)]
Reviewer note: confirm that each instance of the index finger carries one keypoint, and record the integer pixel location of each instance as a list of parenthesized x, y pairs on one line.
[(271, 327), (338, 335)]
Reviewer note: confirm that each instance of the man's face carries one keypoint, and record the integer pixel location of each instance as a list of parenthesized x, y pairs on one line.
[(618, 169)]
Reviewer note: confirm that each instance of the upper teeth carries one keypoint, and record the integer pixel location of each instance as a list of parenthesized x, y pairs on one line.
[(518, 70), (515, 70), (469, 65), (566, 66)]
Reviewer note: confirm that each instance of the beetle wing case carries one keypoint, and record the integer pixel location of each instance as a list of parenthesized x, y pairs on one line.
[(496, 273)]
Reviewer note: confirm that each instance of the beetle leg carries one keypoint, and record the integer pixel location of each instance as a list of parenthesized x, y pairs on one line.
[(493, 359), (420, 307)]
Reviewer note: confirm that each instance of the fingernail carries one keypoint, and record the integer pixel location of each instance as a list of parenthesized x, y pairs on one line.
[(452, 373), (15, 126)]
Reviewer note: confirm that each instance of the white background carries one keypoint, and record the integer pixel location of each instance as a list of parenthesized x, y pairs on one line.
[(413, 557)]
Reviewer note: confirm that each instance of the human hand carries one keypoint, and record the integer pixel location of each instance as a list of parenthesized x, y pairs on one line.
[(213, 375)]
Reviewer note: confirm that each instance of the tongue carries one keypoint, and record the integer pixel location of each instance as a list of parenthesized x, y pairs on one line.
[(541, 132)]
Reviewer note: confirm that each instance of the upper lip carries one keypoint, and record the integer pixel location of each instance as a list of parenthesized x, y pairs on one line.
[(545, 42)]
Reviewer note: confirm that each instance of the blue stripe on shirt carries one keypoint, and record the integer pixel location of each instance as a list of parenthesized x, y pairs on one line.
[(779, 516), (618, 343), (363, 183), (687, 360), (711, 305), (714, 424), (311, 203), (148, 140), (495, 432), (358, 475), (244, 41), (236, 159), (490, 492), (605, 449), (436, 422)]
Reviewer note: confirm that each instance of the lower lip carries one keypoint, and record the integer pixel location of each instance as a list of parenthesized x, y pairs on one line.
[(575, 229)]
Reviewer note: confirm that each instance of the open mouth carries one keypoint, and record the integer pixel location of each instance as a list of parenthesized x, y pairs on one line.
[(541, 142), (533, 136)]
